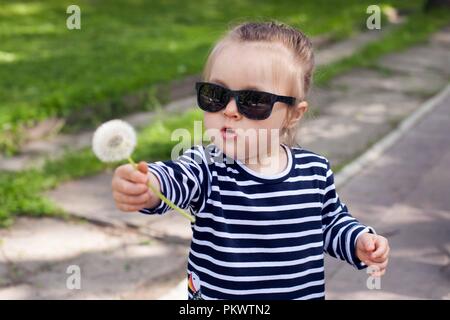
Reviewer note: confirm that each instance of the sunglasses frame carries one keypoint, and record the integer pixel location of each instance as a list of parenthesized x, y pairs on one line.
[(290, 101)]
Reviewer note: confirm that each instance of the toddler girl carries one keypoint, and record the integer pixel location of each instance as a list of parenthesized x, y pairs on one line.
[(265, 209)]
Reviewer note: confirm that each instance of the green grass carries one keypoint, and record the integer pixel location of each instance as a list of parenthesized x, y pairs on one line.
[(22, 192), (47, 70), (416, 29)]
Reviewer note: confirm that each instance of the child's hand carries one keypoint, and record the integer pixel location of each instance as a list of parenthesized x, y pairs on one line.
[(130, 190), (373, 250)]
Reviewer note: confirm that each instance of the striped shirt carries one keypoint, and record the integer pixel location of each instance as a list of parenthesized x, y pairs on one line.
[(258, 236)]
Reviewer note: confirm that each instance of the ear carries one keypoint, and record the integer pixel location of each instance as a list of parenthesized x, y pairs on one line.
[(297, 113)]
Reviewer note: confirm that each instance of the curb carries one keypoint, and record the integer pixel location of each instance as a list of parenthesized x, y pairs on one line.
[(390, 139), (354, 167)]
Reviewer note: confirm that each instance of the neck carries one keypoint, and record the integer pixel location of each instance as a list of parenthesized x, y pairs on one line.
[(272, 162)]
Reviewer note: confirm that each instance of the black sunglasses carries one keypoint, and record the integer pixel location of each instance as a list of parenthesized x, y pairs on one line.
[(255, 105)]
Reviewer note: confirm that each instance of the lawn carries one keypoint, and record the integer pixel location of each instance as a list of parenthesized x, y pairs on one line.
[(48, 71), (21, 192)]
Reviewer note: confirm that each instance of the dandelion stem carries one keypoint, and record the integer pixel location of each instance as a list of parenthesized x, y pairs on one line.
[(163, 198)]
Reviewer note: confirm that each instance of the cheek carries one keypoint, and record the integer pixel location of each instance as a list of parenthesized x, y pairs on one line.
[(277, 118), (208, 120), (269, 132), (212, 124), (274, 123)]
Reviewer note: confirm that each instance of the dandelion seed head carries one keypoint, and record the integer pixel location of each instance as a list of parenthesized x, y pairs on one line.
[(114, 140)]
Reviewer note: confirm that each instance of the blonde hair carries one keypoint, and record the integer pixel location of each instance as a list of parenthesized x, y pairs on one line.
[(275, 35)]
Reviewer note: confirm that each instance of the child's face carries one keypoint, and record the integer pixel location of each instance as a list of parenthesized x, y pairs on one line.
[(238, 67)]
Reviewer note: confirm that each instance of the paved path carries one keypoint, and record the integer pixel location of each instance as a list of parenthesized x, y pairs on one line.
[(405, 194), (354, 118), (35, 152), (36, 252), (403, 191), (35, 255)]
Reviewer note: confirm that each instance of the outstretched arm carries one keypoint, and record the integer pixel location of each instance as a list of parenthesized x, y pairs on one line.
[(341, 231), (184, 181)]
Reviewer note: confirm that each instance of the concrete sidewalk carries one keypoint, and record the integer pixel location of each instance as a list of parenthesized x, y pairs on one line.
[(405, 195), (119, 253)]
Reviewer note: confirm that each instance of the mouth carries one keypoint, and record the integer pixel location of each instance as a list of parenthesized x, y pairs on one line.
[(228, 133)]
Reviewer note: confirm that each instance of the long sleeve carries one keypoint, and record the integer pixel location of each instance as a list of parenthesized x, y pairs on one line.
[(340, 229), (184, 181)]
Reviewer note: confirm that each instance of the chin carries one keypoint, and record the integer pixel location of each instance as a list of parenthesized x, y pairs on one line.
[(229, 148)]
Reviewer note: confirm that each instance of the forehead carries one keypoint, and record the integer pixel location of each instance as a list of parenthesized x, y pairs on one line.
[(253, 65)]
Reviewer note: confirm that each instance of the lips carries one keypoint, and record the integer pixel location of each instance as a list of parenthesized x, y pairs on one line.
[(228, 133)]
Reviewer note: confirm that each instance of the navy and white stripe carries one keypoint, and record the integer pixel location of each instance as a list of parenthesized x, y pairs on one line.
[(259, 237)]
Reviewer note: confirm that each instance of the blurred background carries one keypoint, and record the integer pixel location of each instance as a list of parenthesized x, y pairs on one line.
[(379, 110)]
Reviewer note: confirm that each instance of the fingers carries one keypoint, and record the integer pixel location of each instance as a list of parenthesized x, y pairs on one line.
[(379, 269), (381, 261), (374, 252), (129, 188), (141, 199), (382, 265), (367, 242), (381, 245), (142, 167), (133, 202), (128, 207), (380, 258), (128, 172)]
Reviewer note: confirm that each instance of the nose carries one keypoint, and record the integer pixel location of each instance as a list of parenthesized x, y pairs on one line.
[(231, 110)]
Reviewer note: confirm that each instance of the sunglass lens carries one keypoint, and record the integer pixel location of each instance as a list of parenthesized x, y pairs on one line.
[(255, 105), (212, 98)]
